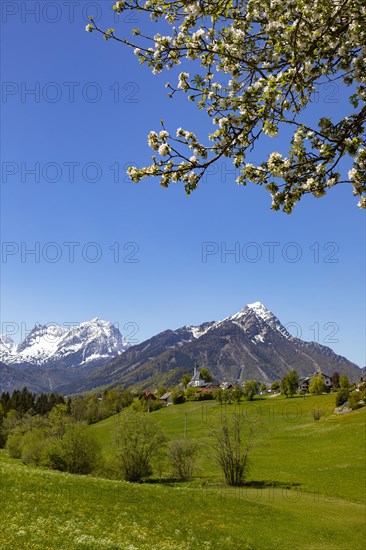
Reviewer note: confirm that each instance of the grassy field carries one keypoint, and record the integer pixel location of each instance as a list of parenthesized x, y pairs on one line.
[(306, 489)]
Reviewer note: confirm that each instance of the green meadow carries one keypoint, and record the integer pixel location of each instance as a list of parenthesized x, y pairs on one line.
[(305, 488)]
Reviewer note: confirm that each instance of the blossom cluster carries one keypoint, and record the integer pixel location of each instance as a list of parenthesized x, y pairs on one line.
[(274, 54)]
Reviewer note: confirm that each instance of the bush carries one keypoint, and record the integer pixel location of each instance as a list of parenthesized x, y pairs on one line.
[(344, 382), (155, 405), (81, 451), (54, 457), (205, 396), (233, 439), (109, 468), (2, 436), (139, 442), (190, 394), (341, 397), (77, 452), (182, 455), (13, 444), (177, 397), (354, 401), (33, 447), (317, 414)]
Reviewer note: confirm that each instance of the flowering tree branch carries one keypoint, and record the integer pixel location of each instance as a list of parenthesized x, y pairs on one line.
[(276, 53)]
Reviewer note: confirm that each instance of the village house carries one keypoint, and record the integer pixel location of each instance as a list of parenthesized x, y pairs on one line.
[(226, 386), (149, 395), (166, 398), (197, 380), (211, 388), (305, 381)]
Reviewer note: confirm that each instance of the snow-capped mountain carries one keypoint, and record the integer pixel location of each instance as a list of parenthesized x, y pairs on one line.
[(6, 344), (251, 344), (256, 312), (88, 343)]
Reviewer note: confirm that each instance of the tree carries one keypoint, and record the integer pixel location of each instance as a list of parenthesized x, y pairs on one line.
[(139, 441), (263, 387), (317, 384), (206, 375), (160, 391), (190, 393), (177, 396), (92, 411), (59, 421), (250, 389), (290, 383), (344, 382), (275, 386), (335, 379), (78, 408), (185, 380), (258, 66), (2, 431), (237, 394), (233, 439), (182, 456), (219, 395)]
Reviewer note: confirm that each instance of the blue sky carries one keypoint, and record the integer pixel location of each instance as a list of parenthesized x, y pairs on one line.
[(139, 255)]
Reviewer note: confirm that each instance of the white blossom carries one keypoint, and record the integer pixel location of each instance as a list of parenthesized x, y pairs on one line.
[(164, 149), (352, 174), (362, 202)]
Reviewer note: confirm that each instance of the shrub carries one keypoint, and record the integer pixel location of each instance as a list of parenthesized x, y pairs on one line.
[(77, 452), (205, 396), (54, 457), (13, 444), (108, 467), (190, 393), (233, 439), (344, 382), (182, 456), (341, 397), (80, 449), (177, 397), (33, 446), (317, 414), (354, 400), (139, 441), (2, 436)]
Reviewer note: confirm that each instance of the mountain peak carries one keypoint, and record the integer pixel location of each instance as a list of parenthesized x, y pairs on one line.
[(257, 306), (7, 345), (98, 322), (260, 310)]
